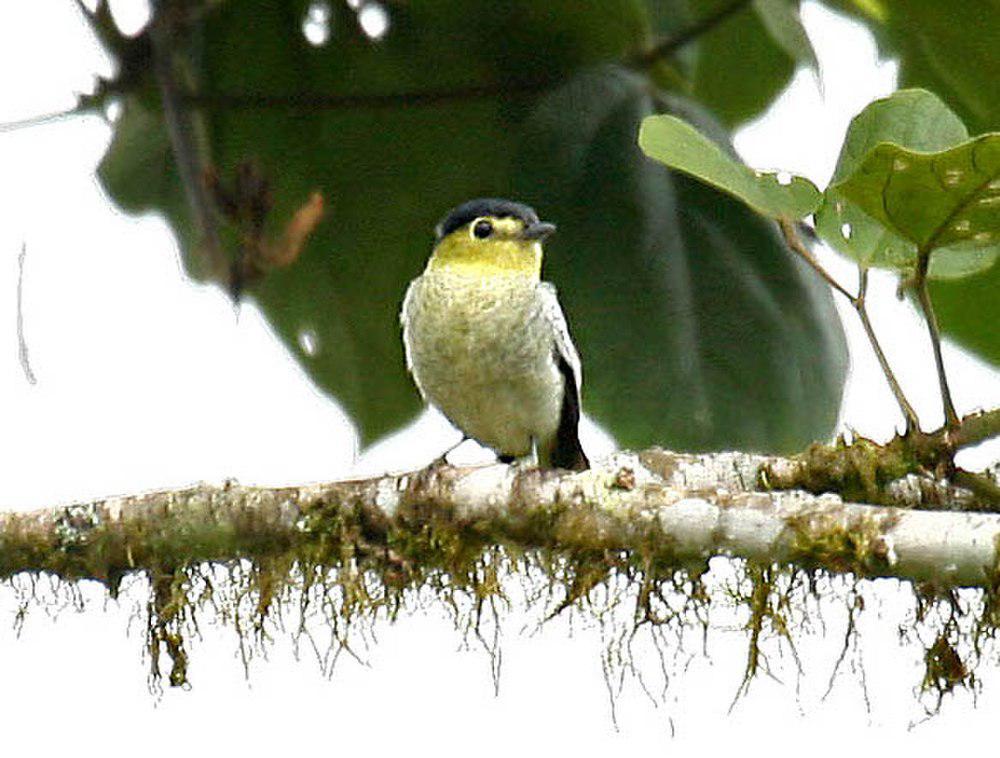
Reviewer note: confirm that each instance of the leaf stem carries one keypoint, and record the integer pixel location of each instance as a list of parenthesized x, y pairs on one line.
[(924, 298), (861, 308), (795, 243)]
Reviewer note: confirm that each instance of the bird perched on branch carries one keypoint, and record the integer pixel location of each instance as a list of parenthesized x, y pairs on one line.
[(486, 339)]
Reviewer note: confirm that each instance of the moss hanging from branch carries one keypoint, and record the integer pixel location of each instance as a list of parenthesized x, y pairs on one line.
[(636, 530)]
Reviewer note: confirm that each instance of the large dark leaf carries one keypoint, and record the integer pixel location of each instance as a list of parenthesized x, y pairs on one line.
[(697, 328), (741, 68), (949, 48), (337, 118)]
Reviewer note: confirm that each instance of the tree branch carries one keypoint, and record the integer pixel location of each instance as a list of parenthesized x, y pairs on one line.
[(681, 508)]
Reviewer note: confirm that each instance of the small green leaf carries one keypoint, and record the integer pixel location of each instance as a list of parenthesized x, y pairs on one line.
[(680, 146), (782, 20), (913, 118), (946, 201)]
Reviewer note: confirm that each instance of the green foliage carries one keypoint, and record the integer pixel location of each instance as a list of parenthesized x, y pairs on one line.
[(967, 308), (908, 182), (908, 178), (740, 66), (697, 328), (915, 119), (951, 49), (945, 202), (948, 48), (679, 145)]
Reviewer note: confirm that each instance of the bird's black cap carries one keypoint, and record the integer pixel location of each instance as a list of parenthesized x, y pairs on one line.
[(462, 214)]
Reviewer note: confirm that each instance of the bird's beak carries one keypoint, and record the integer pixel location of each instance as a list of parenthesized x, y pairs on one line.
[(538, 231)]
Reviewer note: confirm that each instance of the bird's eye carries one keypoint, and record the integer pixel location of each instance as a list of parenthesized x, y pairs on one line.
[(482, 229)]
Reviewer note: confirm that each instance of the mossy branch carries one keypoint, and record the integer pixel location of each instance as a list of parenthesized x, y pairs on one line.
[(866, 471), (354, 551), (676, 509)]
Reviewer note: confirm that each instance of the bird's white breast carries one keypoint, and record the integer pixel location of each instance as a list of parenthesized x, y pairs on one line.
[(481, 351)]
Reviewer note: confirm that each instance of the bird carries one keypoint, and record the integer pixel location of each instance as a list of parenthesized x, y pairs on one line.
[(486, 340)]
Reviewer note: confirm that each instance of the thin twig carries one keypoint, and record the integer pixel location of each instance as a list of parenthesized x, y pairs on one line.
[(793, 241), (22, 345), (975, 428), (857, 302), (314, 101), (187, 139), (924, 298), (673, 42), (41, 119)]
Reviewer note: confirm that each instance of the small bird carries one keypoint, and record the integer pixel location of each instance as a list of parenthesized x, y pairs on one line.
[(486, 339)]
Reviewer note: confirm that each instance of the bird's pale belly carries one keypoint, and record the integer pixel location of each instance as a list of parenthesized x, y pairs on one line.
[(483, 355)]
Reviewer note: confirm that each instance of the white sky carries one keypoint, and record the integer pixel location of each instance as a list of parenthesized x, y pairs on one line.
[(147, 381)]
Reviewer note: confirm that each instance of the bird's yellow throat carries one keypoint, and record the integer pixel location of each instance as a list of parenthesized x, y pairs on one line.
[(501, 257)]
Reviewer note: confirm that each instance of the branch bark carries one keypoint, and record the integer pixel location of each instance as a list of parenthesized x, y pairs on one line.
[(683, 509)]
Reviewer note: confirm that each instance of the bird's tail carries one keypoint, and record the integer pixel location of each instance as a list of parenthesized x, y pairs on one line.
[(567, 453), (565, 450)]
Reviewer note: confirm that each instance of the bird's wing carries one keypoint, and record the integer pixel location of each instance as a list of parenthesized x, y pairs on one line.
[(566, 451), (404, 320), (564, 348)]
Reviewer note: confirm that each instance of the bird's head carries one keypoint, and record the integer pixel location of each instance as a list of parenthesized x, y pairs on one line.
[(492, 237)]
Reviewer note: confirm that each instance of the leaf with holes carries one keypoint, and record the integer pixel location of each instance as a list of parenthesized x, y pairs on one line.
[(945, 202), (915, 119), (679, 145)]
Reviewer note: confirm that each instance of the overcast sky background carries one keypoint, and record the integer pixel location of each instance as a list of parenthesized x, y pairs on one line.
[(148, 381)]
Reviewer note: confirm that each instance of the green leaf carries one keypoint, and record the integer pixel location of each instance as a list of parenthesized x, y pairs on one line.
[(915, 119), (947, 47), (680, 146), (740, 67), (969, 310), (782, 20), (946, 202), (697, 328)]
